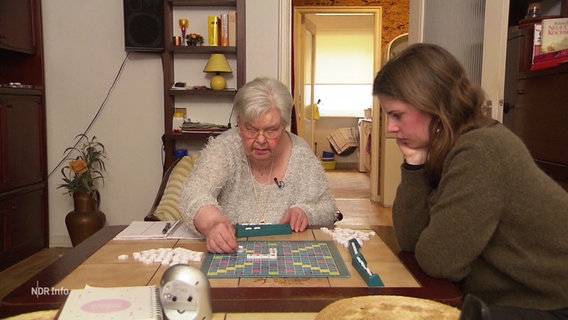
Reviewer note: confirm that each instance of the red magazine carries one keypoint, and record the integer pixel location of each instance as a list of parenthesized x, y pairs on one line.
[(556, 55)]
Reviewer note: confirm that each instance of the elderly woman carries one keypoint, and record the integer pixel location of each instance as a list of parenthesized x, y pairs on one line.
[(256, 173), (472, 204)]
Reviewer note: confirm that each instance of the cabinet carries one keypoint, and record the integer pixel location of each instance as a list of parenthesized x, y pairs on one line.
[(535, 108), (16, 32), (24, 224), (539, 117), (22, 139), (23, 159), (176, 60), (23, 186)]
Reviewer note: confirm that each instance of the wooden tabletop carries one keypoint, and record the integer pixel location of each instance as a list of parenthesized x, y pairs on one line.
[(95, 262)]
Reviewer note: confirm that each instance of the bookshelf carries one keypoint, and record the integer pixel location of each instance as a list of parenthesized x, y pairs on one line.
[(185, 64)]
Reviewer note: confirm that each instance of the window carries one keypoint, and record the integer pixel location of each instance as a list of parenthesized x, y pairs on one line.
[(344, 68), (343, 100)]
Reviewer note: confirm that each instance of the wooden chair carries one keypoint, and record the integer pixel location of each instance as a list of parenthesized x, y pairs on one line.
[(150, 216)]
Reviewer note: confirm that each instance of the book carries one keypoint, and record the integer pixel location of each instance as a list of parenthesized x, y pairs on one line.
[(554, 35), (224, 36), (213, 30), (548, 63), (148, 230), (555, 55), (113, 303), (537, 39), (232, 17)]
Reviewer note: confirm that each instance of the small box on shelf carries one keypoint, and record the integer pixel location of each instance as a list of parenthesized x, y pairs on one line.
[(213, 30), (180, 114)]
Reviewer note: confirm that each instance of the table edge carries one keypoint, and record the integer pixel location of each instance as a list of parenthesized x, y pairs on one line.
[(227, 299)]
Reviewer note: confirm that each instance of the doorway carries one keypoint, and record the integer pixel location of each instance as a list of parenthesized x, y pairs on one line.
[(310, 82)]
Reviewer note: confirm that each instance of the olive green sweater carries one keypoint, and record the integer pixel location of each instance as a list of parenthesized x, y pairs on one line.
[(495, 224)]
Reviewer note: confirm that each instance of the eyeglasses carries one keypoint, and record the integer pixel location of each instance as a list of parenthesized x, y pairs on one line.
[(252, 133)]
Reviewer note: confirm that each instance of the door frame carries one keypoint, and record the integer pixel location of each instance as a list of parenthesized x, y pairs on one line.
[(299, 13), (494, 48), (495, 54)]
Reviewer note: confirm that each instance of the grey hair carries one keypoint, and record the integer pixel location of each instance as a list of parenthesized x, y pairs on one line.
[(260, 95)]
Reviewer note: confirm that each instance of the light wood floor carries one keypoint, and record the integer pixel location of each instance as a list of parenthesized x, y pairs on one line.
[(350, 188)]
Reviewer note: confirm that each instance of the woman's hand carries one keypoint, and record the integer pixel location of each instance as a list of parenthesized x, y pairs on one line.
[(297, 218), (413, 156), (221, 238), (218, 230)]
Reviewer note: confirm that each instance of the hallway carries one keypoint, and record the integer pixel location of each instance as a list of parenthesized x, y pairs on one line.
[(351, 191)]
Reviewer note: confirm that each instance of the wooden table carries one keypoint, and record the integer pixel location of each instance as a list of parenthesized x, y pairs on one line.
[(95, 262)]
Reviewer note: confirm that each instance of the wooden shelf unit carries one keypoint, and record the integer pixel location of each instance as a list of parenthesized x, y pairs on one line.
[(169, 138), (535, 108), (24, 217)]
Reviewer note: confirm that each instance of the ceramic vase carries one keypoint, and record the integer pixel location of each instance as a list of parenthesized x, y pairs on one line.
[(86, 218)]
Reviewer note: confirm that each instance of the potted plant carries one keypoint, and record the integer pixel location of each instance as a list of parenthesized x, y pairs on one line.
[(80, 177), (194, 39)]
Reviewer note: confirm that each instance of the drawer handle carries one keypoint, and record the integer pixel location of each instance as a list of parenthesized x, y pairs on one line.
[(508, 107)]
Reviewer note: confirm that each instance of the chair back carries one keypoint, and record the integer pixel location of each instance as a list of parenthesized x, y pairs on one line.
[(474, 309)]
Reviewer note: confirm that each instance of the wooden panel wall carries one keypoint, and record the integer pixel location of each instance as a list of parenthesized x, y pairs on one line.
[(395, 13)]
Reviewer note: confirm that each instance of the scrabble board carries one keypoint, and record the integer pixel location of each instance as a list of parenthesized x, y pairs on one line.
[(277, 259)]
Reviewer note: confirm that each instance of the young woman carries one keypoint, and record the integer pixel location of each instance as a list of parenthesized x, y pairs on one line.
[(472, 204), (256, 173)]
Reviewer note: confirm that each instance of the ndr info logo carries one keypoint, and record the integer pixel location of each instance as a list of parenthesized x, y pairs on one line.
[(47, 291)]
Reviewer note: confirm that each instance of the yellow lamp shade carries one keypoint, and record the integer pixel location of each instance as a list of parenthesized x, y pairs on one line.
[(217, 63)]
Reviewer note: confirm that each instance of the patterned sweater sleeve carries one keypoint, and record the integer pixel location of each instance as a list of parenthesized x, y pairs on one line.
[(206, 180), (310, 185)]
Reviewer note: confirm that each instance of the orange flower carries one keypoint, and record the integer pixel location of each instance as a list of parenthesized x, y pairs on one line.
[(86, 165), (78, 166)]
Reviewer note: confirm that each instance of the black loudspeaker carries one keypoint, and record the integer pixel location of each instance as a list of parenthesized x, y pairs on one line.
[(144, 25)]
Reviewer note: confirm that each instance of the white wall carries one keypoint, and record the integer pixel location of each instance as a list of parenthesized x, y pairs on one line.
[(84, 49), (263, 49)]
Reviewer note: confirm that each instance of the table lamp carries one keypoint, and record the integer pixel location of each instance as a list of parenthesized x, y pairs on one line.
[(217, 63)]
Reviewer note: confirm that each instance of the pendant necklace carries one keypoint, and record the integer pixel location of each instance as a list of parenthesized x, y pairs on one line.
[(256, 195)]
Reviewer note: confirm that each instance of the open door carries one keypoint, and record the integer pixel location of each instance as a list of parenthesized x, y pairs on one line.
[(304, 56), (495, 55)]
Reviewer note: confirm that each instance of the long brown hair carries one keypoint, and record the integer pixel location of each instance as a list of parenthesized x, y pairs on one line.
[(431, 79)]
